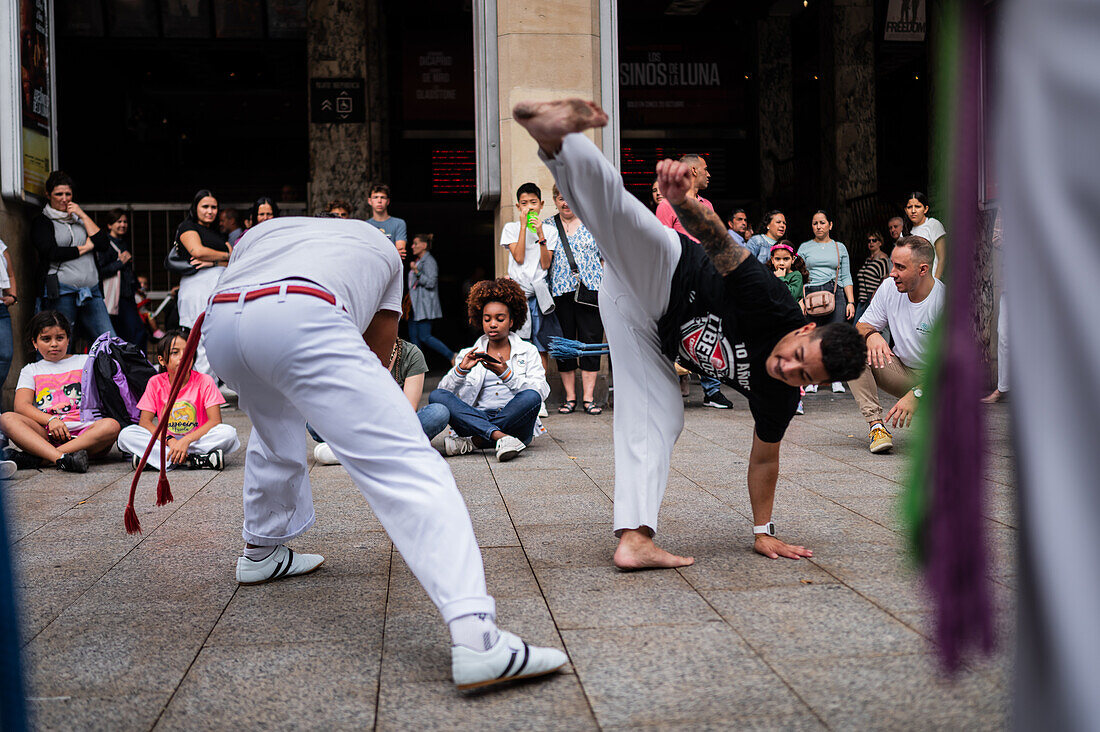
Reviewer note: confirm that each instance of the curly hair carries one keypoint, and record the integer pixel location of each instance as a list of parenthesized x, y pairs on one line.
[(503, 290), (843, 352)]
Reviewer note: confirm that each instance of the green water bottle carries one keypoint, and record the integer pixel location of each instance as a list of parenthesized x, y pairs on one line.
[(533, 221)]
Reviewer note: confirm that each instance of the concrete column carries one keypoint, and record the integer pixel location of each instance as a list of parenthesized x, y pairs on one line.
[(776, 108), (346, 41), (544, 51), (15, 232), (854, 146)]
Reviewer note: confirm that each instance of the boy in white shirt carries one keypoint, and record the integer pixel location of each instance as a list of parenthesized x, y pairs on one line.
[(530, 252)]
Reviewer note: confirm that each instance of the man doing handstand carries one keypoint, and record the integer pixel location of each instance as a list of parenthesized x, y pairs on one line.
[(709, 305)]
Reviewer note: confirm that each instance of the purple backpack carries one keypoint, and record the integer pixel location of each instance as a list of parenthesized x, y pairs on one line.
[(114, 378)]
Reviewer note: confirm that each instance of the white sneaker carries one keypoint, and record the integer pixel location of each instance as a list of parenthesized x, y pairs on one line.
[(324, 455), (800, 409), (7, 469), (838, 387), (511, 658), (811, 388), (457, 445), (542, 410), (508, 447), (282, 562)]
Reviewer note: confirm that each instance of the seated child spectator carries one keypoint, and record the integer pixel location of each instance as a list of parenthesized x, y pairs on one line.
[(197, 437), (407, 366), (494, 393), (46, 424)]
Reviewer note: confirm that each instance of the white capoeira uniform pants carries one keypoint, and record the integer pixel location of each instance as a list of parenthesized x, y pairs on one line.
[(295, 358), (195, 291), (1049, 171), (640, 256), (134, 439)]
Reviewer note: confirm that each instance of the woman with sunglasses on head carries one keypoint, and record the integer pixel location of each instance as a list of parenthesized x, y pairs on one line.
[(872, 273)]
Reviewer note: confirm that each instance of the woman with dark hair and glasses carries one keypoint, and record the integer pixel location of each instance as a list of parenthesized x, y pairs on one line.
[(200, 236), (872, 273), (117, 280)]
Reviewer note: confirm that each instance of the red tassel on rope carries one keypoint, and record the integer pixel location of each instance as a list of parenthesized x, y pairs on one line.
[(164, 491)]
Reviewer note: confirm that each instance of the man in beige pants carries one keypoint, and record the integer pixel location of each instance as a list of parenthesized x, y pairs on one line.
[(908, 301)]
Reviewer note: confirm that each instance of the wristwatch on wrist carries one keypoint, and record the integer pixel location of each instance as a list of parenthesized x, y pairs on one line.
[(768, 528), (918, 392)]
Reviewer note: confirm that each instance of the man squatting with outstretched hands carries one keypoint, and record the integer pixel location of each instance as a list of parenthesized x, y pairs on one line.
[(709, 305)]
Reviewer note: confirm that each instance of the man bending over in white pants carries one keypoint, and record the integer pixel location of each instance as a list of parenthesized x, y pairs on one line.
[(300, 325), (710, 305)]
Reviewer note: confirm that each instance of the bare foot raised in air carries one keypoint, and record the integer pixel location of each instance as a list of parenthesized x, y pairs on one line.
[(549, 122), (637, 551)]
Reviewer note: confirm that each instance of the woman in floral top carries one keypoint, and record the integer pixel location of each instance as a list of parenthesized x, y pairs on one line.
[(578, 321)]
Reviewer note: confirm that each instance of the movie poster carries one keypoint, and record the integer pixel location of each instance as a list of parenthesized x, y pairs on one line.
[(34, 67)]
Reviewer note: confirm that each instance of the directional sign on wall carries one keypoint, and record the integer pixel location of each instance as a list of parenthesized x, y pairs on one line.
[(337, 101)]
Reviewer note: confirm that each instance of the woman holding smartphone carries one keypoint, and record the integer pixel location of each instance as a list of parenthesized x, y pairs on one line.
[(495, 391)]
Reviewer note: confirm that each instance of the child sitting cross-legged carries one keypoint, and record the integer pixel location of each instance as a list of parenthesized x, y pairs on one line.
[(197, 437), (46, 425)]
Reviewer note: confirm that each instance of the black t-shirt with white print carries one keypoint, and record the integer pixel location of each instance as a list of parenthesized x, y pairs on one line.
[(726, 327)]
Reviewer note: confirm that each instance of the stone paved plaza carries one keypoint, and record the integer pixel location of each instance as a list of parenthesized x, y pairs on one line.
[(139, 632)]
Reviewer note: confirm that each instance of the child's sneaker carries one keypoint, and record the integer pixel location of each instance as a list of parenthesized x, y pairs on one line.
[(213, 460), (811, 388), (73, 462)]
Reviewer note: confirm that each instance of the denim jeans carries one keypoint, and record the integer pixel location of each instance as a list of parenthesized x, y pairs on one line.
[(7, 343), (420, 335), (516, 418), (535, 316), (709, 385), (91, 317), (433, 418)]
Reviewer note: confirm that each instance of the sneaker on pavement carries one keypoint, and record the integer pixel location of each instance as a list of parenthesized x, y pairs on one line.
[(74, 462), (511, 658), (22, 460), (7, 469), (283, 562), (542, 410), (457, 445), (324, 455), (135, 460), (800, 409), (508, 447), (213, 460), (717, 400), (838, 387), (880, 439), (811, 388)]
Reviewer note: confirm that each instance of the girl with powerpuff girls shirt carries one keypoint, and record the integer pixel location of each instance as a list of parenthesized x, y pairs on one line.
[(45, 424)]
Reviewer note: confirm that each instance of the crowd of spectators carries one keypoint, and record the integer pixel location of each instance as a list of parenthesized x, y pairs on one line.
[(494, 392)]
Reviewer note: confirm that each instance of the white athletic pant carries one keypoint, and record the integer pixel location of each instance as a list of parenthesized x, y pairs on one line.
[(134, 439), (1002, 345), (195, 291), (296, 358), (640, 256), (1049, 171)]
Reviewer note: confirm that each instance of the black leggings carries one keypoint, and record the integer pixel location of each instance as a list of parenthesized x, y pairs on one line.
[(580, 323)]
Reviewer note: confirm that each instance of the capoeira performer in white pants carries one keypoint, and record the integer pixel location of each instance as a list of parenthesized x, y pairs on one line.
[(711, 305), (297, 326)]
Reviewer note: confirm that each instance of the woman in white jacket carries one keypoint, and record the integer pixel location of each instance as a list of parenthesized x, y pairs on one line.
[(495, 391)]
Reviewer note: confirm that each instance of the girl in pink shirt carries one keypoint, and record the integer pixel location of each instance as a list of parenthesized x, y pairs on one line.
[(197, 437)]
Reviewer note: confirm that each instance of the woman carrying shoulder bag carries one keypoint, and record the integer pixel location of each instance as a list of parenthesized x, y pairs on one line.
[(576, 273), (199, 236), (830, 274)]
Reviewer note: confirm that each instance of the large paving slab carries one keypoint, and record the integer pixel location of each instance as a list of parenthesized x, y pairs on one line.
[(152, 632)]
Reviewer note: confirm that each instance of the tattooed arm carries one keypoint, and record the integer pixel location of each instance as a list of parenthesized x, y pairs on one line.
[(704, 225), (674, 180)]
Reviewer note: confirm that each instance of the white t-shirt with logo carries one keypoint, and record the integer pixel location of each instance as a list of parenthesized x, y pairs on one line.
[(931, 230), (350, 258), (531, 270), (910, 322), (4, 281)]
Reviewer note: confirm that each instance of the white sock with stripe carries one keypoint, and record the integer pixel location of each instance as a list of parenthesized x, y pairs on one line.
[(478, 631)]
